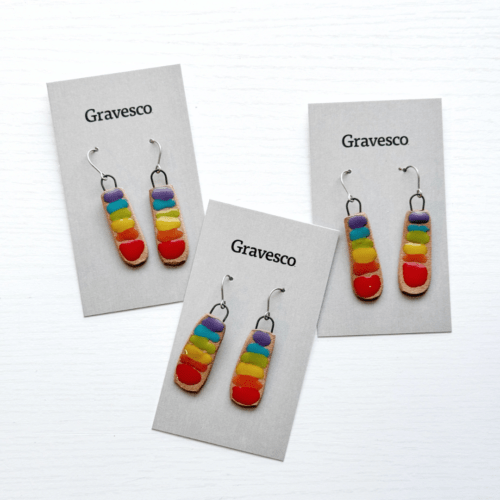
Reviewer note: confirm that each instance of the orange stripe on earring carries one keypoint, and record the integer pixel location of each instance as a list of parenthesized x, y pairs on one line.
[(247, 381), (128, 234), (415, 258), (171, 234), (195, 364), (359, 269)]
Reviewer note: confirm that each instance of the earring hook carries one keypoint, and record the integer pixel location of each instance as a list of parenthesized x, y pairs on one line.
[(103, 175), (268, 313), (267, 316), (223, 302), (93, 166), (152, 141), (350, 197), (158, 169), (419, 191)]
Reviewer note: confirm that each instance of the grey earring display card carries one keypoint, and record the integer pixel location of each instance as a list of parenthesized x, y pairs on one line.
[(119, 114), (261, 252), (373, 140)]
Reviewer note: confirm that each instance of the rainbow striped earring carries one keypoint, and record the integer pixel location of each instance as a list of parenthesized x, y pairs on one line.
[(249, 378), (172, 242), (122, 222), (415, 262), (198, 356), (366, 275)]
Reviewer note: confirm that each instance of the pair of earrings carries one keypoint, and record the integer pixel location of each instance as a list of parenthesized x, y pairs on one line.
[(172, 243), (414, 267), (198, 356)]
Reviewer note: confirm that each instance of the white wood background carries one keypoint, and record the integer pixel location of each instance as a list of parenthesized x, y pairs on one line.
[(382, 418)]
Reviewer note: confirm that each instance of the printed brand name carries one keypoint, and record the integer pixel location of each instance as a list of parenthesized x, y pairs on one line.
[(91, 115), (366, 142), (237, 246)]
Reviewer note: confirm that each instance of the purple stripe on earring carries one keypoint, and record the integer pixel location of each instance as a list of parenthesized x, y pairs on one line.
[(261, 338), (164, 194), (357, 222), (418, 217), (112, 196), (213, 324)]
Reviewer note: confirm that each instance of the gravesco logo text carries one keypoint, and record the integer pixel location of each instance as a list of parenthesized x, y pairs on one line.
[(348, 141), (237, 246), (91, 115)]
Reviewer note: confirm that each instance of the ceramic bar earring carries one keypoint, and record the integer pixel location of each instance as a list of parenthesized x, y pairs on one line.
[(198, 356), (173, 247), (249, 378), (126, 232), (415, 257), (366, 275)]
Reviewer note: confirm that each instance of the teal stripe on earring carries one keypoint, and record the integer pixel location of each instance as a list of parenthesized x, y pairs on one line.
[(161, 204), (414, 227), (258, 349), (117, 205), (360, 232), (203, 331)]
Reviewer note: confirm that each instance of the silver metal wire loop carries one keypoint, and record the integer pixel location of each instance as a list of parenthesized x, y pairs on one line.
[(222, 304), (93, 166), (350, 197), (103, 175), (267, 316), (419, 193), (158, 169)]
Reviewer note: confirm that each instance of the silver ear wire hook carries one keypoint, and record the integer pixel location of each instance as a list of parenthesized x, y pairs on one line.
[(93, 166), (103, 175), (158, 169), (152, 141), (268, 313), (350, 198), (267, 316), (222, 304), (419, 191)]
